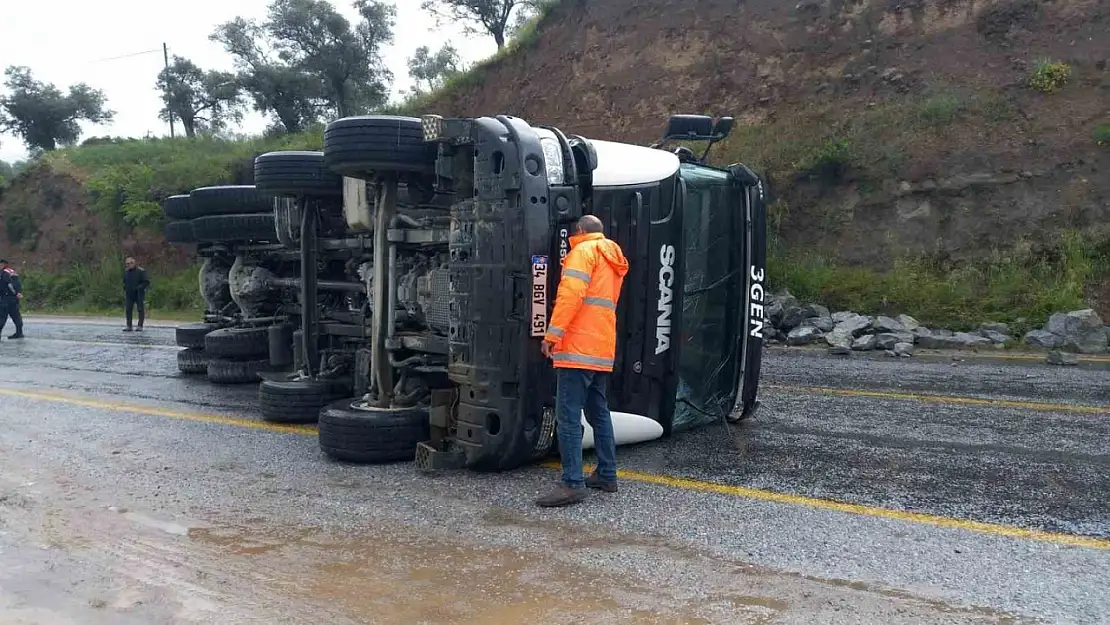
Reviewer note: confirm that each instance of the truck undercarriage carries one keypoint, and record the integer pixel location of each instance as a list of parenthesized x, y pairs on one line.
[(395, 287)]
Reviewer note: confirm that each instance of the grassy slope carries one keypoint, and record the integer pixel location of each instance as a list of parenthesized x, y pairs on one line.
[(125, 182)]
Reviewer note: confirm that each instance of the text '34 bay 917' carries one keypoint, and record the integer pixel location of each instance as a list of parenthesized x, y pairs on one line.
[(396, 286)]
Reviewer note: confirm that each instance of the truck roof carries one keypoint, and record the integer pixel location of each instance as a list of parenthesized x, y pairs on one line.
[(621, 164)]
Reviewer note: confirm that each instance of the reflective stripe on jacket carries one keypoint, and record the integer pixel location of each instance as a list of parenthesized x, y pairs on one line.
[(583, 325)]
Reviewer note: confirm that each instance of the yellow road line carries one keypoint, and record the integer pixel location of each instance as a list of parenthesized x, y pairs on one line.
[(163, 412), (943, 399), (631, 475), (851, 508)]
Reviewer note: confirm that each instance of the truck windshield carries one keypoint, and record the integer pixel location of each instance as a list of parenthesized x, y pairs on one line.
[(711, 221)]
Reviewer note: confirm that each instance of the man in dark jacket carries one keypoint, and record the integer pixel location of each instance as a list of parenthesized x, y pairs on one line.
[(11, 291), (135, 284)]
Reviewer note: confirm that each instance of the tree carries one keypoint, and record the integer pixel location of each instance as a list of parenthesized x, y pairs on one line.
[(312, 36), (492, 17), (290, 95), (430, 71), (306, 59), (202, 100), (43, 116)]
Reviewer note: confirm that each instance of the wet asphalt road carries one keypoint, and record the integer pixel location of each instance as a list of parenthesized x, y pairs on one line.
[(830, 430)]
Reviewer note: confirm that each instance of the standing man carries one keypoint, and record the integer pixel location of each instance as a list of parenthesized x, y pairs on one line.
[(135, 284), (11, 291), (582, 343)]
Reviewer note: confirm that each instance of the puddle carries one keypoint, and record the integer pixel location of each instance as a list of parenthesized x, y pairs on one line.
[(403, 580)]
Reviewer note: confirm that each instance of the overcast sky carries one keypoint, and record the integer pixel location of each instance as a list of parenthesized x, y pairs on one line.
[(69, 41)]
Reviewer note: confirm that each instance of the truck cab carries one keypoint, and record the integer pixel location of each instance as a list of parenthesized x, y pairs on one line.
[(690, 317)]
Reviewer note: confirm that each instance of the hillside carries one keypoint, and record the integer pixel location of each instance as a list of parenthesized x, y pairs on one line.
[(942, 157), (918, 113)]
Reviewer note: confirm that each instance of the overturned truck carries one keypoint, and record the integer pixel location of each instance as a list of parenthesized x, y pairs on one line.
[(428, 252)]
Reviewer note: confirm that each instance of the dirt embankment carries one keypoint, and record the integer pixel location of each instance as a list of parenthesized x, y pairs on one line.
[(922, 110), (47, 224)]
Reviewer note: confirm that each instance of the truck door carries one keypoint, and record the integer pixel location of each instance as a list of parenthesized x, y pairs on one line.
[(646, 220)]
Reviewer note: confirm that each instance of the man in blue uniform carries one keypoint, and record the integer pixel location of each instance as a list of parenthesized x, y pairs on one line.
[(11, 291), (135, 284)]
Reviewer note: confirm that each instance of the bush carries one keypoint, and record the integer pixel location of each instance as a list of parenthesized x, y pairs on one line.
[(941, 110), (828, 160), (1049, 77)]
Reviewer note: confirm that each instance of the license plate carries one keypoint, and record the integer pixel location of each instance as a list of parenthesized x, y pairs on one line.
[(539, 295)]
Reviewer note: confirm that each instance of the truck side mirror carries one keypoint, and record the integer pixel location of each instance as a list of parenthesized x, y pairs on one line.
[(722, 129), (694, 127)]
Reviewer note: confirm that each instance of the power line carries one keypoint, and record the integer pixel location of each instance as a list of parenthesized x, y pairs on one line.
[(125, 56)]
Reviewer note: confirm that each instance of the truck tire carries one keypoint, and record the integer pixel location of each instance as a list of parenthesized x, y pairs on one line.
[(296, 174), (225, 371), (180, 231), (240, 343), (296, 401), (176, 207), (377, 435), (358, 146), (235, 228), (192, 361), (227, 200), (192, 336)]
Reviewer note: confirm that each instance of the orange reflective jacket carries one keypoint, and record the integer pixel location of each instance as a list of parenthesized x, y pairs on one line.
[(583, 325)]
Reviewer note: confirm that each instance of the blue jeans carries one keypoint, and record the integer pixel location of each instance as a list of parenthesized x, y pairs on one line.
[(581, 391)]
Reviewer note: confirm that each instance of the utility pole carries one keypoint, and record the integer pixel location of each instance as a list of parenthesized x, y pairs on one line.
[(166, 56)]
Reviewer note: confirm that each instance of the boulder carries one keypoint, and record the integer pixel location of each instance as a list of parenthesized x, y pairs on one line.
[(909, 323), (996, 337), (1001, 328), (864, 343), (803, 335), (824, 324), (839, 337), (792, 316), (1042, 338), (945, 339), (840, 350), (816, 310), (773, 312), (888, 340), (855, 325), (1060, 358), (904, 350), (1079, 330), (843, 315), (886, 324)]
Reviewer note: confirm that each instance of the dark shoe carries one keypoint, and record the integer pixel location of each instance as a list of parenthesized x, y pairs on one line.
[(128, 330), (563, 495), (594, 481), (17, 335), (139, 329)]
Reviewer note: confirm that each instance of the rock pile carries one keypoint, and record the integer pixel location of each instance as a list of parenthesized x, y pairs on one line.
[(844, 332), (1077, 331), (794, 323)]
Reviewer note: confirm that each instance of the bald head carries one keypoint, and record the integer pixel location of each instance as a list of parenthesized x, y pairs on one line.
[(590, 224)]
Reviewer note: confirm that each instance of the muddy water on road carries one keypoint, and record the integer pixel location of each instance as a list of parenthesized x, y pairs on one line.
[(118, 564), (66, 558)]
